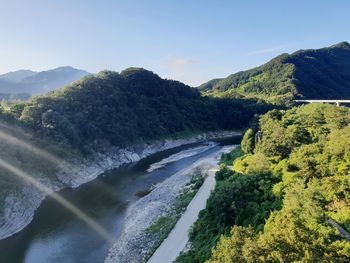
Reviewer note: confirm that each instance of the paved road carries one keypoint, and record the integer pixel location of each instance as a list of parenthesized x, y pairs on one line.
[(178, 237)]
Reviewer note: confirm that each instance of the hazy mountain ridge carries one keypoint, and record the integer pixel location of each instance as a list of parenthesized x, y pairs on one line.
[(18, 75), (38, 83), (314, 73)]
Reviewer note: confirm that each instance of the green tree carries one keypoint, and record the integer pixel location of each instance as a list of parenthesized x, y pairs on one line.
[(302, 162), (248, 141)]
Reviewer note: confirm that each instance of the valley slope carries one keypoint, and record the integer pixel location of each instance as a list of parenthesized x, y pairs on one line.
[(274, 203), (313, 74)]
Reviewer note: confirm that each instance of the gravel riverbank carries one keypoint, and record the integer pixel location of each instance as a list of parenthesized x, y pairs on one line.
[(134, 243)]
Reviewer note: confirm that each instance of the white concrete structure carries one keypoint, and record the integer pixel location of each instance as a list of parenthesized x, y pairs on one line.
[(336, 102)]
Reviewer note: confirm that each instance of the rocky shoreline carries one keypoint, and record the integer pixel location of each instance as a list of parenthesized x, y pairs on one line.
[(21, 205), (135, 242)]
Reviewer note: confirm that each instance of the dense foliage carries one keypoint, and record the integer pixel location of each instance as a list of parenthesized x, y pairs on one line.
[(135, 105), (237, 199), (316, 74), (248, 141), (277, 201), (227, 158)]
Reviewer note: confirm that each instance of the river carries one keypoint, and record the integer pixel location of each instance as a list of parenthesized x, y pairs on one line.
[(56, 235)]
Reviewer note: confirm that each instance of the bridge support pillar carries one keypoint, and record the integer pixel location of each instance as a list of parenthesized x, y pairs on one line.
[(337, 103)]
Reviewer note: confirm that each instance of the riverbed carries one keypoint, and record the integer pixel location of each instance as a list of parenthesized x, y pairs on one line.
[(56, 235)]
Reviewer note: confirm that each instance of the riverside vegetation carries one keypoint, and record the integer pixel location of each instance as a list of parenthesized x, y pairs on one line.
[(120, 109), (106, 110), (274, 204)]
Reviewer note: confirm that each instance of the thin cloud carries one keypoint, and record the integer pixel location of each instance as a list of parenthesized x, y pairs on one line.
[(182, 62), (267, 50)]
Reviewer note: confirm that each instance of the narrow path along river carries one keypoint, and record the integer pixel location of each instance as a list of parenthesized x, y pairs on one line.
[(178, 237), (55, 235)]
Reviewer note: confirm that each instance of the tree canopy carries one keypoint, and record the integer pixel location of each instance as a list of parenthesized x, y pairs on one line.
[(275, 204), (314, 74), (136, 105)]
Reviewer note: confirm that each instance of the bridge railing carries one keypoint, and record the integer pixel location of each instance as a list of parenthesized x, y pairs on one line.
[(337, 102)]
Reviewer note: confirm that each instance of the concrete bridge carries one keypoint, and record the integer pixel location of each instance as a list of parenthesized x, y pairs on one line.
[(336, 102)]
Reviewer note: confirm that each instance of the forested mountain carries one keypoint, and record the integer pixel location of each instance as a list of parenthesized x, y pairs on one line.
[(109, 109), (118, 109), (36, 83), (313, 74), (275, 204), (49, 80)]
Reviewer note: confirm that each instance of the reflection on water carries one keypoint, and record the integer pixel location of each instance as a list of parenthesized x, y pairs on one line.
[(56, 235)]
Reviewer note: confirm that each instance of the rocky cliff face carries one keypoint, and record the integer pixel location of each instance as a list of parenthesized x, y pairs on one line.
[(21, 205)]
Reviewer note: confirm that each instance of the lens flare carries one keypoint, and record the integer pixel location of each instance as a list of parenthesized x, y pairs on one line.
[(41, 153), (35, 150), (59, 199), (41, 187)]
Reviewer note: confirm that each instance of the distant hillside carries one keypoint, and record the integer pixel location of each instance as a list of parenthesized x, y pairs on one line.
[(37, 83), (136, 105), (209, 85), (315, 73), (18, 75)]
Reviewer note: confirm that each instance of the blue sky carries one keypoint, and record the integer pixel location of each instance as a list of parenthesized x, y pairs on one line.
[(187, 40)]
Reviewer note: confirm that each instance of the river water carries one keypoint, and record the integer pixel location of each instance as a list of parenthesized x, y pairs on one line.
[(57, 236)]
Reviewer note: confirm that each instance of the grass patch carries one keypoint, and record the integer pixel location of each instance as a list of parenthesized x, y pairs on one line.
[(228, 158)]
